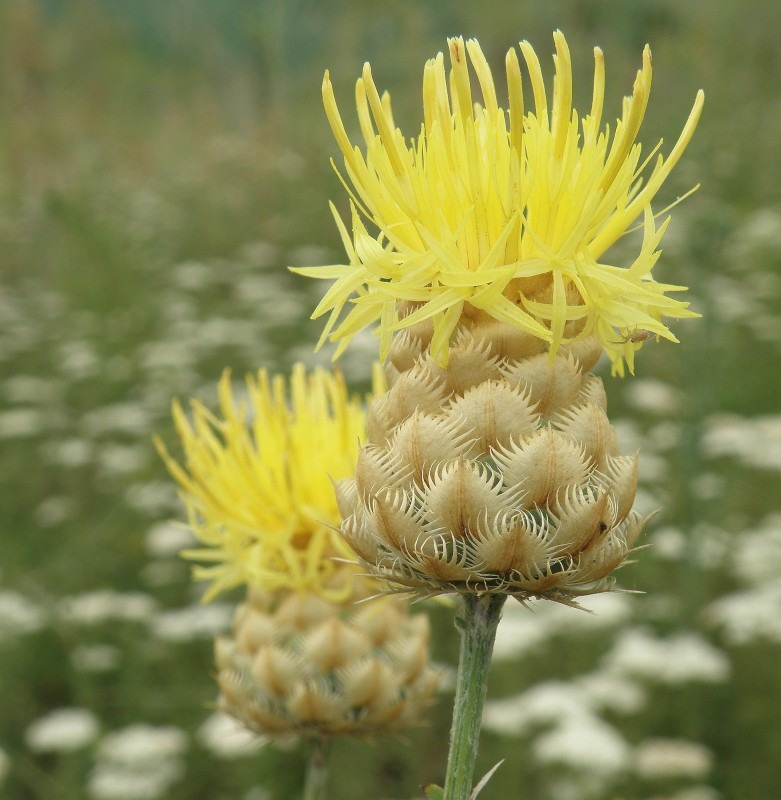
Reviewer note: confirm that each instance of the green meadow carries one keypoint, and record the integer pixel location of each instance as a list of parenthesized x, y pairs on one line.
[(161, 165)]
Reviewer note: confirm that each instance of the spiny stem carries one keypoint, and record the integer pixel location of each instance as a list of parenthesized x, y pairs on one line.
[(317, 770), (477, 625)]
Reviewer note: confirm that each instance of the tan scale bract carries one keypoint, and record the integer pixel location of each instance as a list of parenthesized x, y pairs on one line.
[(296, 665), (497, 473)]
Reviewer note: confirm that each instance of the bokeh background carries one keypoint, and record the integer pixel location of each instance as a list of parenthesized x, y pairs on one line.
[(161, 164)]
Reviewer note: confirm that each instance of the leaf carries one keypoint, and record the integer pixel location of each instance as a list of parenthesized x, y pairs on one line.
[(484, 780), (434, 792)]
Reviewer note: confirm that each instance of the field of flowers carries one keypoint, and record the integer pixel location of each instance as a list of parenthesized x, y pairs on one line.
[(161, 164)]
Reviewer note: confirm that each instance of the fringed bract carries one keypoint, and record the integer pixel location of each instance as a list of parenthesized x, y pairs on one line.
[(498, 473), (294, 666)]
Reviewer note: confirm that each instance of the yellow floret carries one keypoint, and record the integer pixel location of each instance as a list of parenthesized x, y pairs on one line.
[(504, 212), (257, 483)]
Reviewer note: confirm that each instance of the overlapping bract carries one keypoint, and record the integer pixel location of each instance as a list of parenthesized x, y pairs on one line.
[(499, 473), (256, 483), (507, 211), (303, 660), (295, 667)]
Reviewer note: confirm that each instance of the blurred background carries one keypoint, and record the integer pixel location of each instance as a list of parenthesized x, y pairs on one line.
[(161, 165)]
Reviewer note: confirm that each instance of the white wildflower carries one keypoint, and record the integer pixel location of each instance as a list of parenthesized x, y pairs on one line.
[(94, 608), (545, 703), (169, 354), (629, 434), (18, 423), (607, 611), (140, 744), (664, 759), (78, 359), (129, 418), (652, 468), (668, 543), (585, 743), (227, 738), (647, 502), (62, 730), (120, 460), (152, 498), (755, 441), (192, 275), (55, 510), (168, 539), (18, 615), (30, 389), (748, 616), (73, 452), (95, 657), (216, 332), (647, 394), (523, 629), (712, 545), (708, 485), (113, 782), (663, 436), (610, 692), (521, 632), (193, 622), (758, 556), (681, 658), (758, 234)]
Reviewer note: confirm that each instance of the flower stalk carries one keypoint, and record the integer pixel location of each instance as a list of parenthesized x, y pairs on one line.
[(477, 625), (316, 784)]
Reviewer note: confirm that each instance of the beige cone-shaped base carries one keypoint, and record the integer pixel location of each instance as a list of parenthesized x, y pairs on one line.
[(297, 665), (497, 473)]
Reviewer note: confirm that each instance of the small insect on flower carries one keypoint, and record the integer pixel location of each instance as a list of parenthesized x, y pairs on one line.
[(636, 336), (630, 341)]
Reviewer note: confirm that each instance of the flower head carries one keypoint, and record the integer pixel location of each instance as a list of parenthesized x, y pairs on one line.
[(512, 485), (295, 667), (508, 213), (257, 483)]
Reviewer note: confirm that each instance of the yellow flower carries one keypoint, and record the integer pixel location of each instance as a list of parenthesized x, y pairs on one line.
[(257, 483), (504, 212)]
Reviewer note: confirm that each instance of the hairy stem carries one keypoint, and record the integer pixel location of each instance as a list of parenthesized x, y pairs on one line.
[(477, 625), (317, 770)]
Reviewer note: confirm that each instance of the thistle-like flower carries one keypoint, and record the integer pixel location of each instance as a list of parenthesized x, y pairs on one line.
[(498, 474), (295, 667), (502, 213), (303, 659), (491, 466), (256, 483)]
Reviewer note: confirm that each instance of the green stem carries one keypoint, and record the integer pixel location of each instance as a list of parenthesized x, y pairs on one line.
[(317, 770), (477, 625)]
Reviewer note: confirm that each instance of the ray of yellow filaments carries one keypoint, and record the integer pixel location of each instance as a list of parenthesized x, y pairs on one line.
[(509, 212), (257, 483)]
